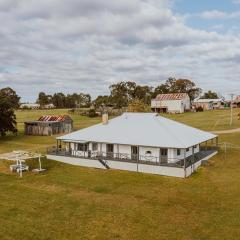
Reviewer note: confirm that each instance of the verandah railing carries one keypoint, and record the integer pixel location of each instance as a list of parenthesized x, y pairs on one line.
[(134, 158)]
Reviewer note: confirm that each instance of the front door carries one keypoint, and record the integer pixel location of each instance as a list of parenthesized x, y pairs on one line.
[(110, 148), (134, 153), (163, 155)]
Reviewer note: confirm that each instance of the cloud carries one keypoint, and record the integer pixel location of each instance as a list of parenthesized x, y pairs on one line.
[(236, 1), (70, 45), (215, 14)]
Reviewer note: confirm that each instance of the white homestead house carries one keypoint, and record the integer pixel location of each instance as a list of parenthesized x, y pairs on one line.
[(171, 103), (142, 142)]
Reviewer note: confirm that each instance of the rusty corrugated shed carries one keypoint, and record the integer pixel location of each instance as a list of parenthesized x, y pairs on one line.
[(51, 118), (171, 96)]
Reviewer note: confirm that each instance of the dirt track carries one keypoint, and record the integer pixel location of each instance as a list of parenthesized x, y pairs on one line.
[(227, 131)]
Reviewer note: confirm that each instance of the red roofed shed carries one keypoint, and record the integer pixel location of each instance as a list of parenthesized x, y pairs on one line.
[(48, 125)]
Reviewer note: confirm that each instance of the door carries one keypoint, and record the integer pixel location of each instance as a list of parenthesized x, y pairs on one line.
[(134, 152), (110, 148), (163, 155)]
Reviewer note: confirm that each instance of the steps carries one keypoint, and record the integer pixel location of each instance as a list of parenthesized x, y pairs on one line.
[(104, 163)]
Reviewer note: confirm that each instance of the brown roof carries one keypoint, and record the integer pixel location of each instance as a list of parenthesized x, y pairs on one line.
[(52, 118), (171, 96)]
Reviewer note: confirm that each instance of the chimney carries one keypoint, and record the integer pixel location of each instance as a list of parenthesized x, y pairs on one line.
[(105, 118)]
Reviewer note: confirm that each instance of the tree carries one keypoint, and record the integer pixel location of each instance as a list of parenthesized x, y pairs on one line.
[(161, 89), (138, 105), (123, 93), (7, 117), (183, 86), (174, 85), (59, 100), (210, 95), (143, 93), (44, 99), (119, 94), (11, 96), (102, 101)]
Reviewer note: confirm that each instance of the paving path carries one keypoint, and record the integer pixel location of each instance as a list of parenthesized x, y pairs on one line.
[(227, 131)]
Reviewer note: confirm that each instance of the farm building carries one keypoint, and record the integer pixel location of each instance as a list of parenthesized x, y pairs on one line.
[(208, 104), (171, 103), (236, 102), (36, 106), (29, 106), (49, 125), (142, 142)]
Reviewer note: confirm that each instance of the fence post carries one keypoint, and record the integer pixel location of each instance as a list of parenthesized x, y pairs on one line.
[(225, 150)]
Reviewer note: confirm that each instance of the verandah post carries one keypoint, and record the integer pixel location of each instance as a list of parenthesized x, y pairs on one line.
[(184, 162)]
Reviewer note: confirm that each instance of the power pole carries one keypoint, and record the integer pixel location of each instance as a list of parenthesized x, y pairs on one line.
[(231, 118)]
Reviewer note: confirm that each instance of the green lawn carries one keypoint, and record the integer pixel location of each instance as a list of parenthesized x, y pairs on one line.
[(69, 202), (209, 120), (20, 141)]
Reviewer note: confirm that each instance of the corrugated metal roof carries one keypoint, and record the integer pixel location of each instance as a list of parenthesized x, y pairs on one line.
[(53, 118), (207, 100), (171, 96), (142, 129)]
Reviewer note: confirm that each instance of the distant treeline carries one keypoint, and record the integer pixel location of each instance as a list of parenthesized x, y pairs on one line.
[(122, 93), (60, 100)]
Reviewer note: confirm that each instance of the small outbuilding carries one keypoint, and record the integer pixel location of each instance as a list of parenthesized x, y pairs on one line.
[(171, 103), (208, 104), (49, 125)]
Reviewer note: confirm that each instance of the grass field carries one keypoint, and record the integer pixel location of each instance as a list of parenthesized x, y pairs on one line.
[(69, 202)]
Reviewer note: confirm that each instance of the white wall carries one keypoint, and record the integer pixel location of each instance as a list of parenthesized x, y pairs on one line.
[(144, 168), (145, 157), (126, 149)]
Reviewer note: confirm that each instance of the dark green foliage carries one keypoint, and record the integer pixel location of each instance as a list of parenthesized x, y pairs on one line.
[(9, 101), (10, 95), (92, 113), (123, 93), (210, 95), (44, 99), (60, 100), (174, 85), (102, 101)]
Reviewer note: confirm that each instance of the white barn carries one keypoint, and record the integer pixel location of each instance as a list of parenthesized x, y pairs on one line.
[(143, 142), (171, 103)]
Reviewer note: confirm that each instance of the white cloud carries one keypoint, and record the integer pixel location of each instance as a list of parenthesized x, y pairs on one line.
[(236, 1), (71, 45), (215, 14)]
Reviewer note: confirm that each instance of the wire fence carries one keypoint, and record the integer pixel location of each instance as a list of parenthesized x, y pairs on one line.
[(227, 145)]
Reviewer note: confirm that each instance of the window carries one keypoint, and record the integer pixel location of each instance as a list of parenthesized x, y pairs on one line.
[(82, 147), (187, 149), (164, 152), (178, 152), (110, 148), (148, 153), (94, 146)]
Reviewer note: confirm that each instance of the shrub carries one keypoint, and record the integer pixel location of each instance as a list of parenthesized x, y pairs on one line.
[(92, 113), (199, 109)]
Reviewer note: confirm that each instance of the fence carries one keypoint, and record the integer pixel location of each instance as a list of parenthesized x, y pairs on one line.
[(133, 158)]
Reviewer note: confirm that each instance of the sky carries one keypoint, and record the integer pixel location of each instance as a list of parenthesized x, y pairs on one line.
[(86, 45)]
